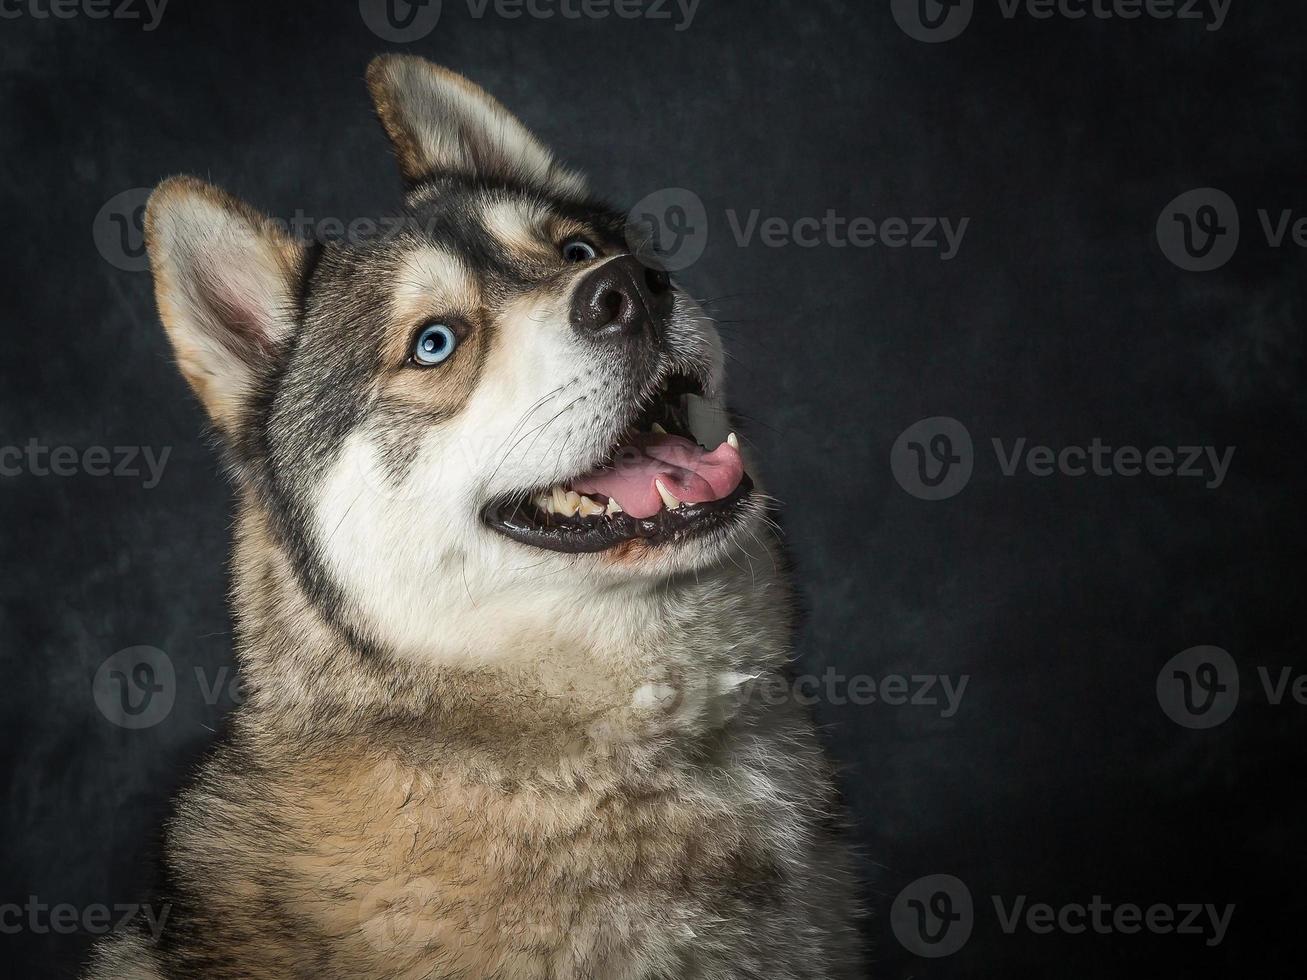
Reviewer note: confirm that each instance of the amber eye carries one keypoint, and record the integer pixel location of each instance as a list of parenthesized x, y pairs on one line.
[(578, 250)]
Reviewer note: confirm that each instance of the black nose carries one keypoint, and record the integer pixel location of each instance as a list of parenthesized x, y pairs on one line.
[(621, 298)]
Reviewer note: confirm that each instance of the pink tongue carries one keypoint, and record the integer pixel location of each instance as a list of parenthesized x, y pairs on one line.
[(692, 474)]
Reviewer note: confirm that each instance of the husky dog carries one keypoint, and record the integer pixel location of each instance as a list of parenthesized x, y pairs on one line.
[(511, 636)]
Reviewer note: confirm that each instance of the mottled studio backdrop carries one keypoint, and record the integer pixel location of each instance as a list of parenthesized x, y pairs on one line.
[(1013, 291)]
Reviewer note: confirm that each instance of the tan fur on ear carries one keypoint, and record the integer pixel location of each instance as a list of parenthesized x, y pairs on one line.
[(223, 281), (439, 122)]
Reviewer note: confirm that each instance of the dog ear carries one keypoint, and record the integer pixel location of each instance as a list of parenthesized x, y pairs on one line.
[(440, 123), (225, 280)]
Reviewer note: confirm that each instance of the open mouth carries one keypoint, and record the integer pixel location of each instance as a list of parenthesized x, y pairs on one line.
[(657, 484)]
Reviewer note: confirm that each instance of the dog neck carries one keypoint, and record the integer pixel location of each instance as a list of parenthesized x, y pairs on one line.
[(654, 668)]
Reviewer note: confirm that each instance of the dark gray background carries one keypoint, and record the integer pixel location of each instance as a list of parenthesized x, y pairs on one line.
[(1060, 320)]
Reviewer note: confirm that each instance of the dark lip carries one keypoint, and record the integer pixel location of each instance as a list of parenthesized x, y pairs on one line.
[(577, 535)]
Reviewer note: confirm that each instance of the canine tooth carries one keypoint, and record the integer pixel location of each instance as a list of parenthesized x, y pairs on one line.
[(731, 441), (613, 507), (589, 508), (656, 428), (669, 501)]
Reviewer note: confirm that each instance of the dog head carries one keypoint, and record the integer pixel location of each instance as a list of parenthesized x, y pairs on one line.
[(495, 406)]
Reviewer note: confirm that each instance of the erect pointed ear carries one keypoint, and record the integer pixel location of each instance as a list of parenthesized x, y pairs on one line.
[(440, 123), (225, 279)]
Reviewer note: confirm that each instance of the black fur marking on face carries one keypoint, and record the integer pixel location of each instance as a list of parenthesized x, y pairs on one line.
[(453, 192)]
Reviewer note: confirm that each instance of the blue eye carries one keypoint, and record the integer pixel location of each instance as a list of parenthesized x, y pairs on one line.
[(578, 250), (434, 344)]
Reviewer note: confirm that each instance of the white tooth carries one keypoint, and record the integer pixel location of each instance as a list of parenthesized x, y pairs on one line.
[(658, 429), (670, 502), (731, 441), (544, 501), (566, 501), (613, 507), (589, 508)]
